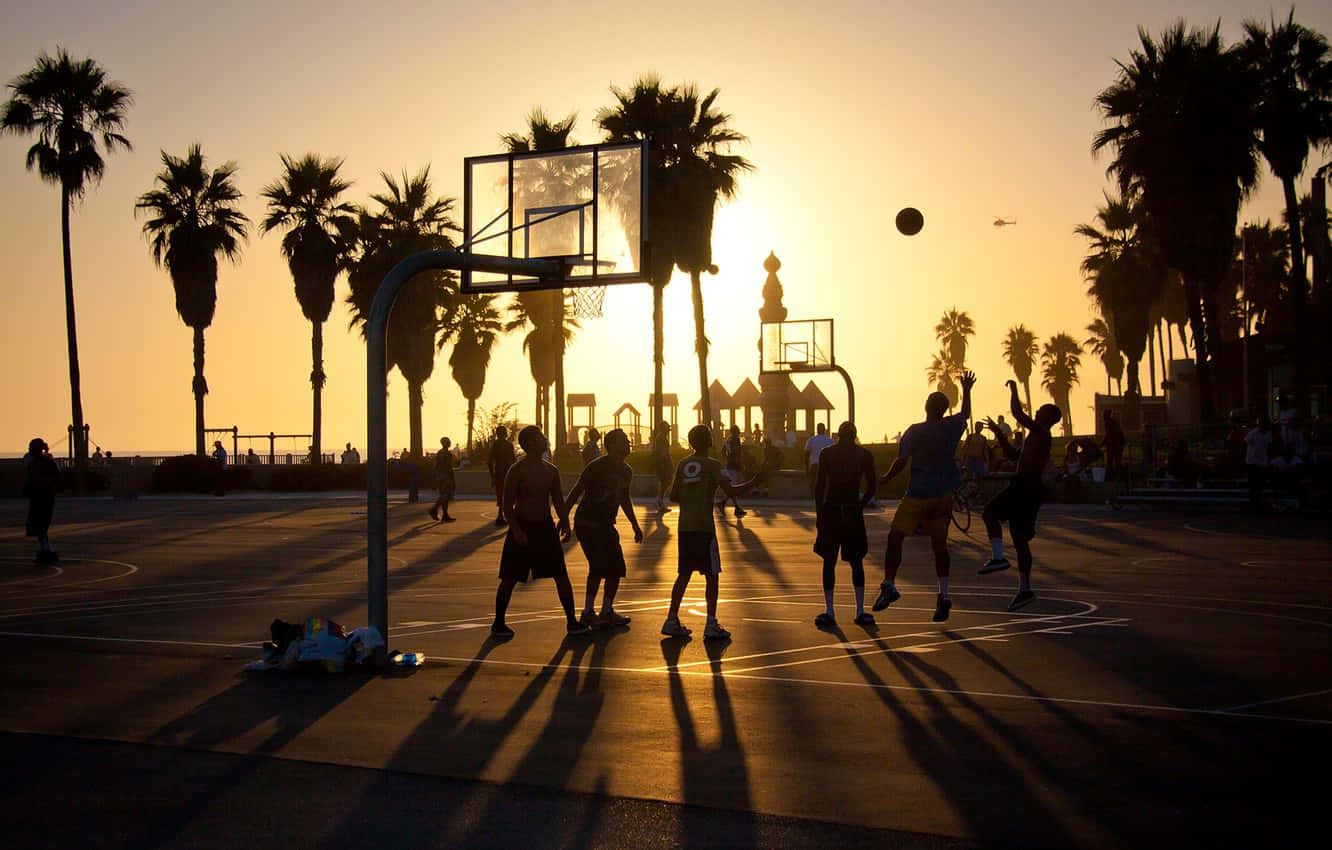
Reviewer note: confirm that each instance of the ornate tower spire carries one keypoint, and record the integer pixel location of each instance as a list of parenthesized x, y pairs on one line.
[(773, 396)]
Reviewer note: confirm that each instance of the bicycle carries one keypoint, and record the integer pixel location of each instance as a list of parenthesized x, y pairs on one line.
[(968, 496)]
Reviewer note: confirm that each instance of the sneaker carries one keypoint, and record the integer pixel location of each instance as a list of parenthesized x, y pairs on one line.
[(887, 596), (610, 619), (864, 618), (673, 628), (501, 630), (448, 518), (1023, 598), (434, 514), (589, 619), (715, 631), (994, 565), (941, 609), (739, 512), (577, 628), (825, 621)]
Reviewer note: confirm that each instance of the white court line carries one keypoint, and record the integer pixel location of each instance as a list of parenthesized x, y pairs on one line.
[(1274, 701), (761, 620), (131, 640)]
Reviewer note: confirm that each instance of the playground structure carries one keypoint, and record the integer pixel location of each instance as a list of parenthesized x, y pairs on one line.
[(273, 458)]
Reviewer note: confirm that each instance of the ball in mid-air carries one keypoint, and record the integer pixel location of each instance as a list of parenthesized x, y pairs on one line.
[(910, 221)]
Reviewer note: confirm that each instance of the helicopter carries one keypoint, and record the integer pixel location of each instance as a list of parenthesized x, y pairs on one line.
[(1000, 221)]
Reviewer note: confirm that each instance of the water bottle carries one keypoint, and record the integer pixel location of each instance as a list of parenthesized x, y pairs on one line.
[(409, 659)]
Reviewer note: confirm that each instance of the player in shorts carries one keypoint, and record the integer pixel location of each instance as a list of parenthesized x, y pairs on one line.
[(696, 480), (1019, 503), (532, 547), (604, 490), (840, 507), (445, 485), (929, 446), (661, 464)]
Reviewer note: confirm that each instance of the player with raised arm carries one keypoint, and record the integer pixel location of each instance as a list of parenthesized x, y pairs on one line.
[(604, 489), (696, 480), (1019, 503), (929, 447), (840, 507), (532, 546)]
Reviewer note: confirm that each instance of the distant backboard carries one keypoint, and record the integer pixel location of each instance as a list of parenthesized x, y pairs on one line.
[(800, 346), (586, 206)]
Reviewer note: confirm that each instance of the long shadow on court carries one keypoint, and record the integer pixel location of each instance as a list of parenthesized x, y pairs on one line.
[(756, 554)]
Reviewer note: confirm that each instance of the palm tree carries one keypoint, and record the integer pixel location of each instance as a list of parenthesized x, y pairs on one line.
[(1294, 115), (1261, 274), (194, 218), (1020, 351), (688, 171), (409, 220), (940, 375), (75, 113), (320, 229), (543, 134), (474, 325), (1101, 343), (533, 311), (952, 332), (1183, 137), (1060, 360), (1125, 280)]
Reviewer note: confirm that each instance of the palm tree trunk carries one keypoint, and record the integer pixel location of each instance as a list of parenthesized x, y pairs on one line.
[(561, 427), (1107, 382), (1299, 293), (1170, 341), (1161, 352), (701, 346), (1026, 386), (1151, 364), (1062, 400), (72, 339), (317, 385), (415, 400), (471, 415), (1198, 325), (200, 390), (1133, 398), (658, 359)]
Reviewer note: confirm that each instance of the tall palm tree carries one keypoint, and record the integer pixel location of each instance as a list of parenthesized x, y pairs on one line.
[(1183, 137), (1173, 307), (1125, 280), (1060, 360), (194, 219), (1261, 275), (474, 325), (940, 374), (409, 219), (1020, 351), (1294, 116), (320, 228), (76, 114), (952, 332), (544, 134), (532, 311), (1101, 344)]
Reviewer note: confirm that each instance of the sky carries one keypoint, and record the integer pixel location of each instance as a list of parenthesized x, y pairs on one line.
[(965, 110)]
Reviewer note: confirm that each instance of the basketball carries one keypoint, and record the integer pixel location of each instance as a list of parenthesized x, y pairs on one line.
[(910, 221)]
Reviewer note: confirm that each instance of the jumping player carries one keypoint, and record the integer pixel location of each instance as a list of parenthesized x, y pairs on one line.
[(498, 462), (929, 446), (696, 480), (840, 507), (532, 547), (604, 488), (1021, 500)]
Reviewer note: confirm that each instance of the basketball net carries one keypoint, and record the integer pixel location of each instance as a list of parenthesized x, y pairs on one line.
[(587, 301)]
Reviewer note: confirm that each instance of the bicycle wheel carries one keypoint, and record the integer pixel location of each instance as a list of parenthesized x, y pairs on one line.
[(961, 515)]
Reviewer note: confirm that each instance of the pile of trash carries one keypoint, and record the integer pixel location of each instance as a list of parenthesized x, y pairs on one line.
[(318, 643)]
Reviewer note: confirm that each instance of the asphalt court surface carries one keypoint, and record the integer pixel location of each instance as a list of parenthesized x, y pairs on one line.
[(1109, 709)]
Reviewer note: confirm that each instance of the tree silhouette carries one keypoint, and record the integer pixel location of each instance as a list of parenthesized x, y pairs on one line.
[(1101, 344), (941, 375), (76, 114), (320, 228), (409, 219), (1020, 351), (194, 219), (532, 311), (1183, 136), (1060, 359), (473, 325), (952, 332)]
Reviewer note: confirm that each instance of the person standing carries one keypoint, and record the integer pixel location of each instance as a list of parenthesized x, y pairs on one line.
[(814, 446), (1258, 443), (734, 454), (976, 453), (929, 446), (1019, 503), (603, 488), (661, 464), (591, 451), (499, 460), (445, 485), (219, 453), (840, 510), (532, 547), (1113, 445), (40, 486)]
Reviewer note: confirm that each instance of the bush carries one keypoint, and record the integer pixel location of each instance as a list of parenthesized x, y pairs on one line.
[(187, 474), (306, 477)]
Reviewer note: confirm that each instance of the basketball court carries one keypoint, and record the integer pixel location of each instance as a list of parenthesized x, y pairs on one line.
[(1170, 682)]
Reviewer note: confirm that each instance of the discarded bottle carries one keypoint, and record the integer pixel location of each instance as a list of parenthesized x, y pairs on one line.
[(408, 659)]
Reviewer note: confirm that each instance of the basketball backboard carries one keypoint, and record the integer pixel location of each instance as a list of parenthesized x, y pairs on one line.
[(800, 346), (585, 206)]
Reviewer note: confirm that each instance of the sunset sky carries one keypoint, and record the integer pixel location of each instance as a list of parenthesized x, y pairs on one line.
[(966, 110)]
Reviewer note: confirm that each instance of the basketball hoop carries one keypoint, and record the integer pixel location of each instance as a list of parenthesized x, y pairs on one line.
[(587, 301)]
